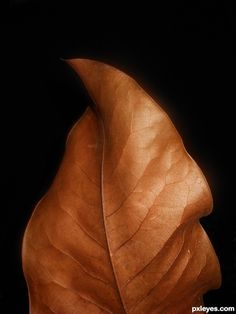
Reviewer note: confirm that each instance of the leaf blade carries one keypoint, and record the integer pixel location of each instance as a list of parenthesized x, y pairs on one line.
[(145, 195)]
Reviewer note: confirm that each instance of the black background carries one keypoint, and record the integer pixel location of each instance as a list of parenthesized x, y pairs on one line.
[(181, 54)]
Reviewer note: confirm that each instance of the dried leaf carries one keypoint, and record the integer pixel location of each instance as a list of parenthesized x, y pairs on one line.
[(118, 231)]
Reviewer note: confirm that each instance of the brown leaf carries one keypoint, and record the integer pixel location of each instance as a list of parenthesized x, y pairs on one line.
[(118, 231)]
